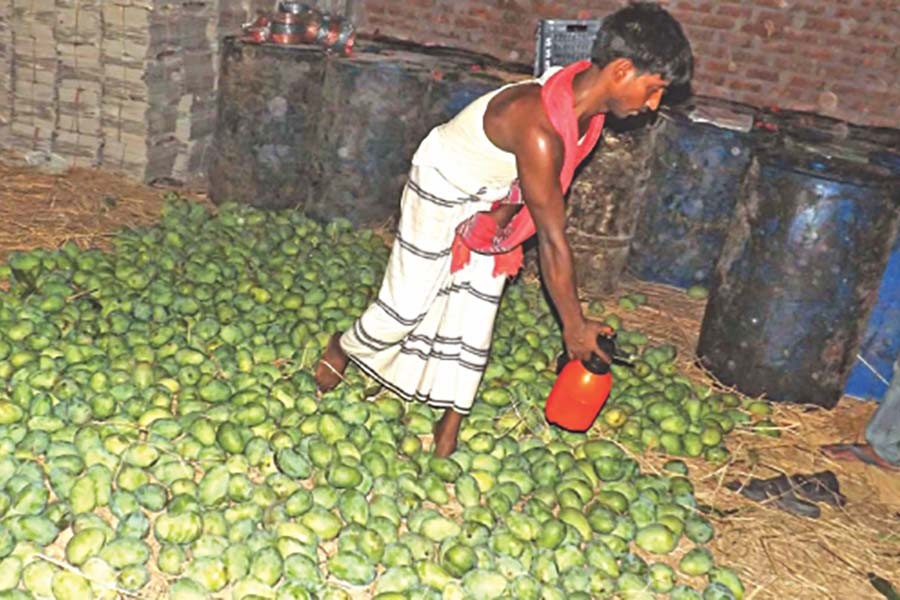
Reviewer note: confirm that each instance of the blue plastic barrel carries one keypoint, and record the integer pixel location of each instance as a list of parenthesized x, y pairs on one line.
[(799, 275), (881, 345), (693, 185)]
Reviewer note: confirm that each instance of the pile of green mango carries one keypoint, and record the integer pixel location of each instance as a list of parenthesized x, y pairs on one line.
[(652, 406), (160, 430)]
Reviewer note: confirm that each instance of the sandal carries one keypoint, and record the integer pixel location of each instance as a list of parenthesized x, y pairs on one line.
[(780, 492), (858, 452)]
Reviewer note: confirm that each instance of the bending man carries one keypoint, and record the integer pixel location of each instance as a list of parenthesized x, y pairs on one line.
[(479, 186)]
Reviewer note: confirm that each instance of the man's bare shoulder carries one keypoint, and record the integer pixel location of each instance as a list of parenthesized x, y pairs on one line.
[(516, 116)]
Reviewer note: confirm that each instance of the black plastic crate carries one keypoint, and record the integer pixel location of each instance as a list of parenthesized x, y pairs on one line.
[(563, 41)]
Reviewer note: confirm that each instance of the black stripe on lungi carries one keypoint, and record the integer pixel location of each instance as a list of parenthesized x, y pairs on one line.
[(421, 252), (370, 342), (377, 345), (405, 395), (396, 316), (428, 196), (457, 358), (468, 197), (466, 287), (454, 341)]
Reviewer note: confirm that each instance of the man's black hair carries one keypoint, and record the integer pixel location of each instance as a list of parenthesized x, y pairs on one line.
[(647, 35)]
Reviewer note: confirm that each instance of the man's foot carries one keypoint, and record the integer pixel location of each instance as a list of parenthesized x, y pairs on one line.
[(332, 363), (858, 452), (446, 432)]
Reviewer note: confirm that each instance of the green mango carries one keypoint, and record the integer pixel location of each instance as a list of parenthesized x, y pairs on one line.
[(481, 583), (124, 552), (267, 566), (31, 528), (729, 579), (85, 544), (293, 464), (439, 528), (171, 559), (324, 523), (213, 487), (352, 568), (37, 576), (697, 529), (397, 580), (656, 539), (301, 568), (187, 589), (698, 561), (70, 586), (11, 573), (180, 528), (209, 572)]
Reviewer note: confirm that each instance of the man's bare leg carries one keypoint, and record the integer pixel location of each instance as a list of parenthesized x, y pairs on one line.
[(446, 432), (331, 365)]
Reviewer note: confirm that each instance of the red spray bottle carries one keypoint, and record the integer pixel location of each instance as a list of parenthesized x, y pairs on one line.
[(581, 388)]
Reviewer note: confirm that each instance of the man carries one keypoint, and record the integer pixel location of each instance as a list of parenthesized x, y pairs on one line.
[(882, 434), (427, 336)]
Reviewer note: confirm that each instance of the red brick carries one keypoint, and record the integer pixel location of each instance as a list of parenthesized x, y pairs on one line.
[(823, 25), (817, 53), (813, 7), (700, 6), (710, 66), (779, 4), (466, 22), (853, 13), (689, 20), (875, 32), (737, 11), (717, 22), (887, 5), (736, 39), (549, 10), (745, 86), (801, 36), (746, 57), (803, 82), (763, 74), (700, 35)]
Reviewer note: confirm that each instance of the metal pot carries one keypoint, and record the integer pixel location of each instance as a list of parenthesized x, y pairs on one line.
[(336, 33), (292, 7), (312, 23), (258, 31), (286, 28)]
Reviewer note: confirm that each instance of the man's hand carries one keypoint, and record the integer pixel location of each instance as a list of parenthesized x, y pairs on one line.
[(581, 340), (504, 213)]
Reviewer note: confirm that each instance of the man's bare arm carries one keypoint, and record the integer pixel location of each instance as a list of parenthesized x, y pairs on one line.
[(539, 156)]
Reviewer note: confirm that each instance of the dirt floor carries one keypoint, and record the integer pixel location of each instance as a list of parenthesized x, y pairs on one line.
[(778, 556)]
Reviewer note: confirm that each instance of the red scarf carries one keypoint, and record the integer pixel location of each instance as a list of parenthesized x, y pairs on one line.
[(479, 233)]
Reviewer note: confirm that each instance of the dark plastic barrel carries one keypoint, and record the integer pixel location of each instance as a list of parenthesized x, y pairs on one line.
[(693, 186), (798, 276), (880, 347), (603, 206), (454, 87), (270, 99), (369, 128)]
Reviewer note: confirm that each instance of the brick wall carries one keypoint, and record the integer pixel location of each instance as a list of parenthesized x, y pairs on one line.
[(839, 58)]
